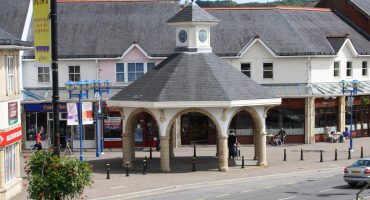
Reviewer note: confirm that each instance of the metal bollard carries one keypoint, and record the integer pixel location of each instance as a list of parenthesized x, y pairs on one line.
[(127, 166), (195, 151), (349, 153), (321, 158), (108, 171), (242, 161), (144, 166), (336, 155), (150, 153), (301, 154), (284, 154), (193, 164), (362, 152)]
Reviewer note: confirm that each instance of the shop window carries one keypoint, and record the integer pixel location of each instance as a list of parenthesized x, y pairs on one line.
[(285, 118), (349, 69), (112, 126), (10, 75), (150, 66), (268, 70), (135, 71), (120, 72), (10, 162), (364, 68), (245, 68), (336, 69), (34, 121), (74, 73), (43, 74)]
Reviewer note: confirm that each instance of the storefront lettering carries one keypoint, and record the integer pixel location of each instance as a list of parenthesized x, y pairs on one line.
[(50, 107), (14, 135)]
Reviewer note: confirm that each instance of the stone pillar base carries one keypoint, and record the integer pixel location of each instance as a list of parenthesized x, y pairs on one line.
[(262, 161), (165, 154), (223, 163)]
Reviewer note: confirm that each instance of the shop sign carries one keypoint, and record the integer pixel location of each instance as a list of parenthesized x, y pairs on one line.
[(11, 136), (43, 107), (42, 32), (112, 122), (72, 114), (87, 113), (12, 113)]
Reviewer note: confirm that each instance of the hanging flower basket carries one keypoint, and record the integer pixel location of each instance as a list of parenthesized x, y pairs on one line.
[(53, 178)]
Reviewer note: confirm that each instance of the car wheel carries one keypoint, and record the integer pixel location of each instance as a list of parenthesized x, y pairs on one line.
[(352, 184)]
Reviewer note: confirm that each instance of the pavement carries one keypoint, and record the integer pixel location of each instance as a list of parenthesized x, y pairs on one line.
[(182, 175)]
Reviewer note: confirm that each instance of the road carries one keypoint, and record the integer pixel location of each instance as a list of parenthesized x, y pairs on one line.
[(309, 185)]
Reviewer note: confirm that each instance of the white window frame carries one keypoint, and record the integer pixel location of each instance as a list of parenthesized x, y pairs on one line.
[(43, 74), (336, 69), (10, 162), (124, 71), (128, 72), (263, 70), (365, 69), (10, 71), (244, 71), (74, 72), (351, 69)]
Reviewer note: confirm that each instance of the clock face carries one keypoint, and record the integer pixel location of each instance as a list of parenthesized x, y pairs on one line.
[(202, 35), (183, 36)]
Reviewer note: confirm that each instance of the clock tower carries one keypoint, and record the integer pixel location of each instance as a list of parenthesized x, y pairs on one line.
[(193, 25)]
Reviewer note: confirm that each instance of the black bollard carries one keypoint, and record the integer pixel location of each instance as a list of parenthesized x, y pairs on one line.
[(301, 154), (150, 153), (362, 152), (336, 155), (108, 171), (349, 153), (127, 166), (321, 159), (193, 164), (144, 166), (242, 161), (195, 151), (284, 154)]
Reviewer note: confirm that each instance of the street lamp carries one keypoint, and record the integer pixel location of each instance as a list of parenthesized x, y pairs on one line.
[(82, 88), (99, 88), (352, 88)]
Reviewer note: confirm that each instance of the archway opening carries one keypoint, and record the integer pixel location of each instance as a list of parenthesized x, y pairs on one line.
[(244, 127), (145, 130), (197, 128)]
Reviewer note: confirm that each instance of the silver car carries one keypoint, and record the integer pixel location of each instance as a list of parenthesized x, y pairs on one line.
[(358, 172)]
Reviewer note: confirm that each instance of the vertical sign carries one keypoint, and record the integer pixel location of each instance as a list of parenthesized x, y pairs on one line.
[(42, 31), (87, 113), (72, 114), (12, 113)]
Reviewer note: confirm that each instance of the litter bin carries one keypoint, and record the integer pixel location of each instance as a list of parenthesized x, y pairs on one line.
[(341, 138)]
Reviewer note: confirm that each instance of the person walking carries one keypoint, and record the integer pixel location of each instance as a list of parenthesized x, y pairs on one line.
[(38, 139), (231, 142)]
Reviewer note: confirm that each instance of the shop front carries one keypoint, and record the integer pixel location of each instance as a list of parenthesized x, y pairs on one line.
[(39, 115)]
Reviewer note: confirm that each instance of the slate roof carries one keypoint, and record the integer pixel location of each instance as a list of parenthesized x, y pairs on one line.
[(7, 38), (284, 31), (193, 77), (192, 13), (13, 16), (364, 5), (336, 42)]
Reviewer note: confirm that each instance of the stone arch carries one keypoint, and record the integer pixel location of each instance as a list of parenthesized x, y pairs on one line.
[(131, 119), (253, 113), (199, 110)]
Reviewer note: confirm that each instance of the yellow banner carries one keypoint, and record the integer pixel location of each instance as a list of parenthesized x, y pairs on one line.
[(42, 31)]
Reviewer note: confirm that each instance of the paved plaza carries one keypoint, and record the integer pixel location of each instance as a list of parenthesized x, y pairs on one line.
[(206, 167)]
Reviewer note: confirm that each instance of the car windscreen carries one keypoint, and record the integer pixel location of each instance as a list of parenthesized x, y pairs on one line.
[(361, 163)]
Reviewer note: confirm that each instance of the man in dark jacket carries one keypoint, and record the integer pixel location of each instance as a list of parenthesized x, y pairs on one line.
[(231, 141)]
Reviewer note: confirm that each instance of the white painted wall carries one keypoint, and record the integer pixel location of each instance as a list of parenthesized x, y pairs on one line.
[(88, 70)]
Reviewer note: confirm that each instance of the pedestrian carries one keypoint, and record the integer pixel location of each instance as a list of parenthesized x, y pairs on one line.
[(238, 150), (231, 144), (38, 139), (346, 133)]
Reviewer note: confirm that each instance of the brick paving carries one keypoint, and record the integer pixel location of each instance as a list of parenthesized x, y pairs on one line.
[(206, 166)]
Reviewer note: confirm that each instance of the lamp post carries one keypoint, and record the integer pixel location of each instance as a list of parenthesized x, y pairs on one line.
[(82, 88), (353, 90), (99, 88)]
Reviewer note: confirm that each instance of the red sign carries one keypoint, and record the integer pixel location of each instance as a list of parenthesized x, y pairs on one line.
[(11, 136)]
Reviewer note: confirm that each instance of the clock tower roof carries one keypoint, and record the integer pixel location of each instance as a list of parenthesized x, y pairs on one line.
[(192, 13)]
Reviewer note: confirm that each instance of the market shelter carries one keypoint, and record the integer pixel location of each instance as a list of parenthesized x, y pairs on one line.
[(193, 80)]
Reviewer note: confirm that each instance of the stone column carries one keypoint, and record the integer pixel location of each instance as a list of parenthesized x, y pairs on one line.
[(165, 154), (126, 149), (178, 132), (24, 128), (309, 120), (256, 142), (261, 160), (341, 114), (223, 152)]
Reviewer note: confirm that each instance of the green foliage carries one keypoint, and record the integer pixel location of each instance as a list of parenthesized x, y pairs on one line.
[(365, 101), (51, 177)]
